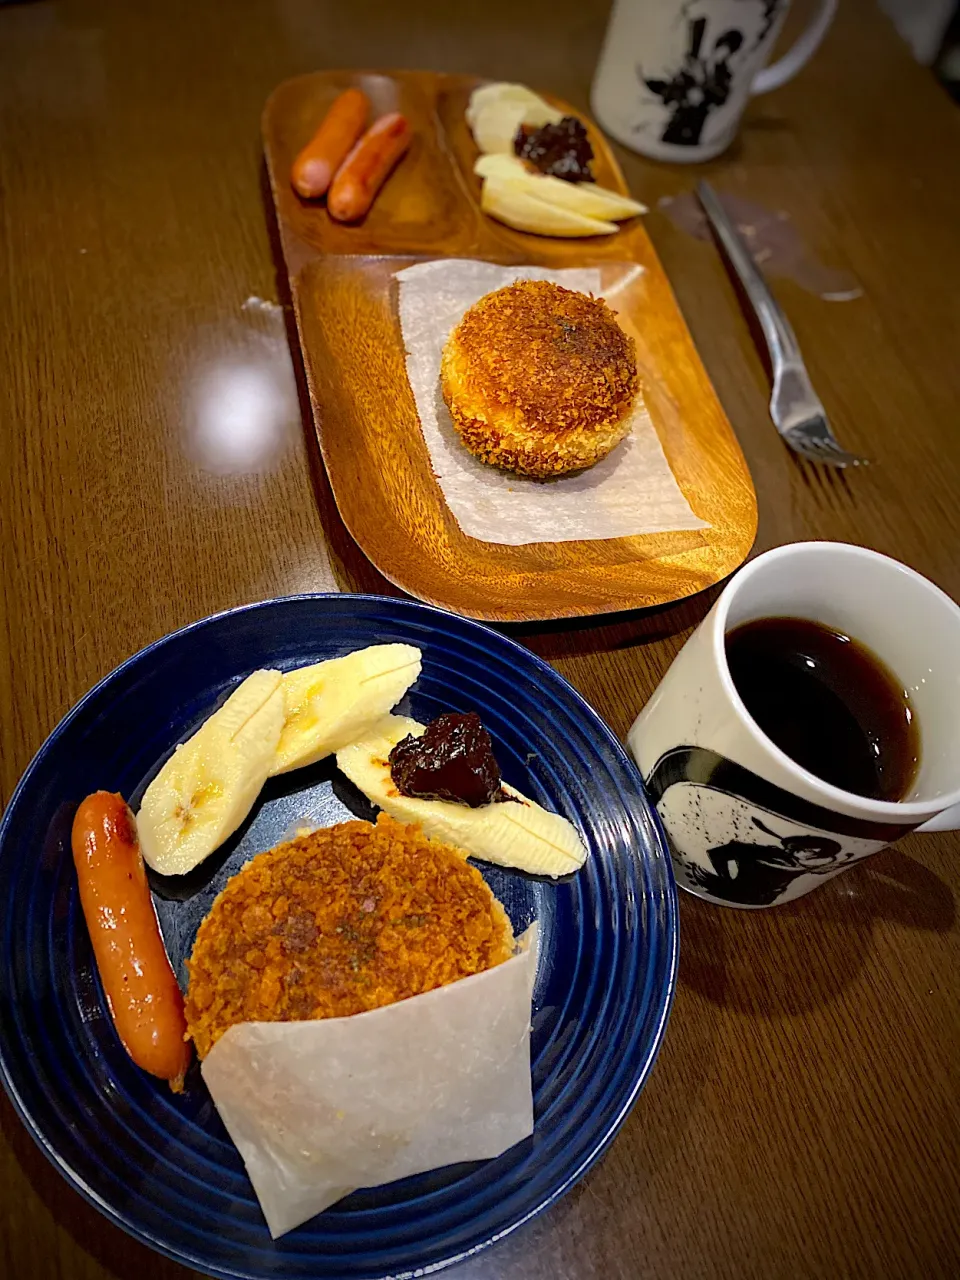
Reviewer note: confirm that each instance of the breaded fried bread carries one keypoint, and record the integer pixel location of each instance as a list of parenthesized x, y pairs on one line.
[(337, 922), (539, 379)]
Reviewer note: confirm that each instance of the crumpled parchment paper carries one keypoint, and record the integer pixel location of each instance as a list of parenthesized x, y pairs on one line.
[(317, 1109)]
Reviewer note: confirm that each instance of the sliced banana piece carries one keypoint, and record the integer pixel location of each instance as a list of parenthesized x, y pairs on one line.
[(499, 165), (210, 783), (330, 704), (584, 198), (604, 203), (513, 205), (500, 91), (497, 117), (517, 834)]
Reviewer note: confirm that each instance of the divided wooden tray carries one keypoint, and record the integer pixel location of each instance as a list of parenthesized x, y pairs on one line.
[(341, 280)]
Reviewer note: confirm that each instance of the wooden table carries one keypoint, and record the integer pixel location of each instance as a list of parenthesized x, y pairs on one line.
[(804, 1116)]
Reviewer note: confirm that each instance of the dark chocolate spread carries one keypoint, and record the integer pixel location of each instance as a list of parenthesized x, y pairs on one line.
[(560, 150), (451, 760)]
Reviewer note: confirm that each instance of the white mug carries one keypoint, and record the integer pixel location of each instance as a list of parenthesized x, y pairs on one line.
[(749, 827), (675, 75)]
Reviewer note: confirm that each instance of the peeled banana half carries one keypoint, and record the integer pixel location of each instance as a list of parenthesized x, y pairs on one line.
[(501, 92), (584, 198), (517, 208), (210, 783), (516, 833), (496, 111), (270, 724), (330, 704)]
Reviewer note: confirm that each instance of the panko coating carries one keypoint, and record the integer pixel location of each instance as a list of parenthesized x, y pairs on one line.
[(342, 920), (539, 379)]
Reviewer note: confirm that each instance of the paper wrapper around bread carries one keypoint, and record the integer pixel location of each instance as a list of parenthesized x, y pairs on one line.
[(317, 1109), (631, 491)]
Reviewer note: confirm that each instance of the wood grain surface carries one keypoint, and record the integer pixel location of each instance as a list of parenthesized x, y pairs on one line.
[(366, 420), (802, 1119)]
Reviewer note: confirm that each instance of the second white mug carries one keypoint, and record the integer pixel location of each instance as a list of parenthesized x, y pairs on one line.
[(675, 75)]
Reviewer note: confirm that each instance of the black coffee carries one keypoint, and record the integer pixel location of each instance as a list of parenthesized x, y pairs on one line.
[(829, 703)]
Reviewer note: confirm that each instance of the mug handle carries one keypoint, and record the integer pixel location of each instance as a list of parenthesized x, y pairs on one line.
[(786, 68), (948, 820)]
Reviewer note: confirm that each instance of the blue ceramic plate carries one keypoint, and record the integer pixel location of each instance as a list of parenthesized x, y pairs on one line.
[(162, 1167)]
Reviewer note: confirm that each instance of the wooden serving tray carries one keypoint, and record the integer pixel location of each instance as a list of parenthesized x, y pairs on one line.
[(341, 280)]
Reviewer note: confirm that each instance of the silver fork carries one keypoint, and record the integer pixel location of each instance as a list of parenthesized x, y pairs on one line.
[(794, 405)]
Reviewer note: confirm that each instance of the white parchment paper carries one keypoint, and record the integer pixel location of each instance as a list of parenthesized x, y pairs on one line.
[(317, 1109), (631, 491)]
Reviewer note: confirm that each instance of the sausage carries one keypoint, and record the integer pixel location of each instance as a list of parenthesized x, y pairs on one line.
[(367, 167), (320, 159), (142, 993)]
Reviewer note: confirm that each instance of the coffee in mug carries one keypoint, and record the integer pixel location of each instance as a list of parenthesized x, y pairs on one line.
[(829, 702)]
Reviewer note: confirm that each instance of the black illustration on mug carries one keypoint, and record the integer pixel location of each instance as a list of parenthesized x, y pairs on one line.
[(701, 84), (703, 81), (759, 874), (770, 9), (741, 839)]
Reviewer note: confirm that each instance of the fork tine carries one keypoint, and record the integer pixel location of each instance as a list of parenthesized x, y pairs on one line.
[(820, 450), (804, 450), (826, 447), (836, 457), (841, 456), (803, 443)]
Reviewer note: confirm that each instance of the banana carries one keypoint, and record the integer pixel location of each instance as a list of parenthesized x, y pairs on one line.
[(521, 835), (331, 704), (583, 198), (210, 783), (500, 92), (496, 111), (513, 205)]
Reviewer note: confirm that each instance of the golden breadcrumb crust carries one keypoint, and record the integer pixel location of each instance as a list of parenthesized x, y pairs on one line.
[(342, 920), (539, 379)]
